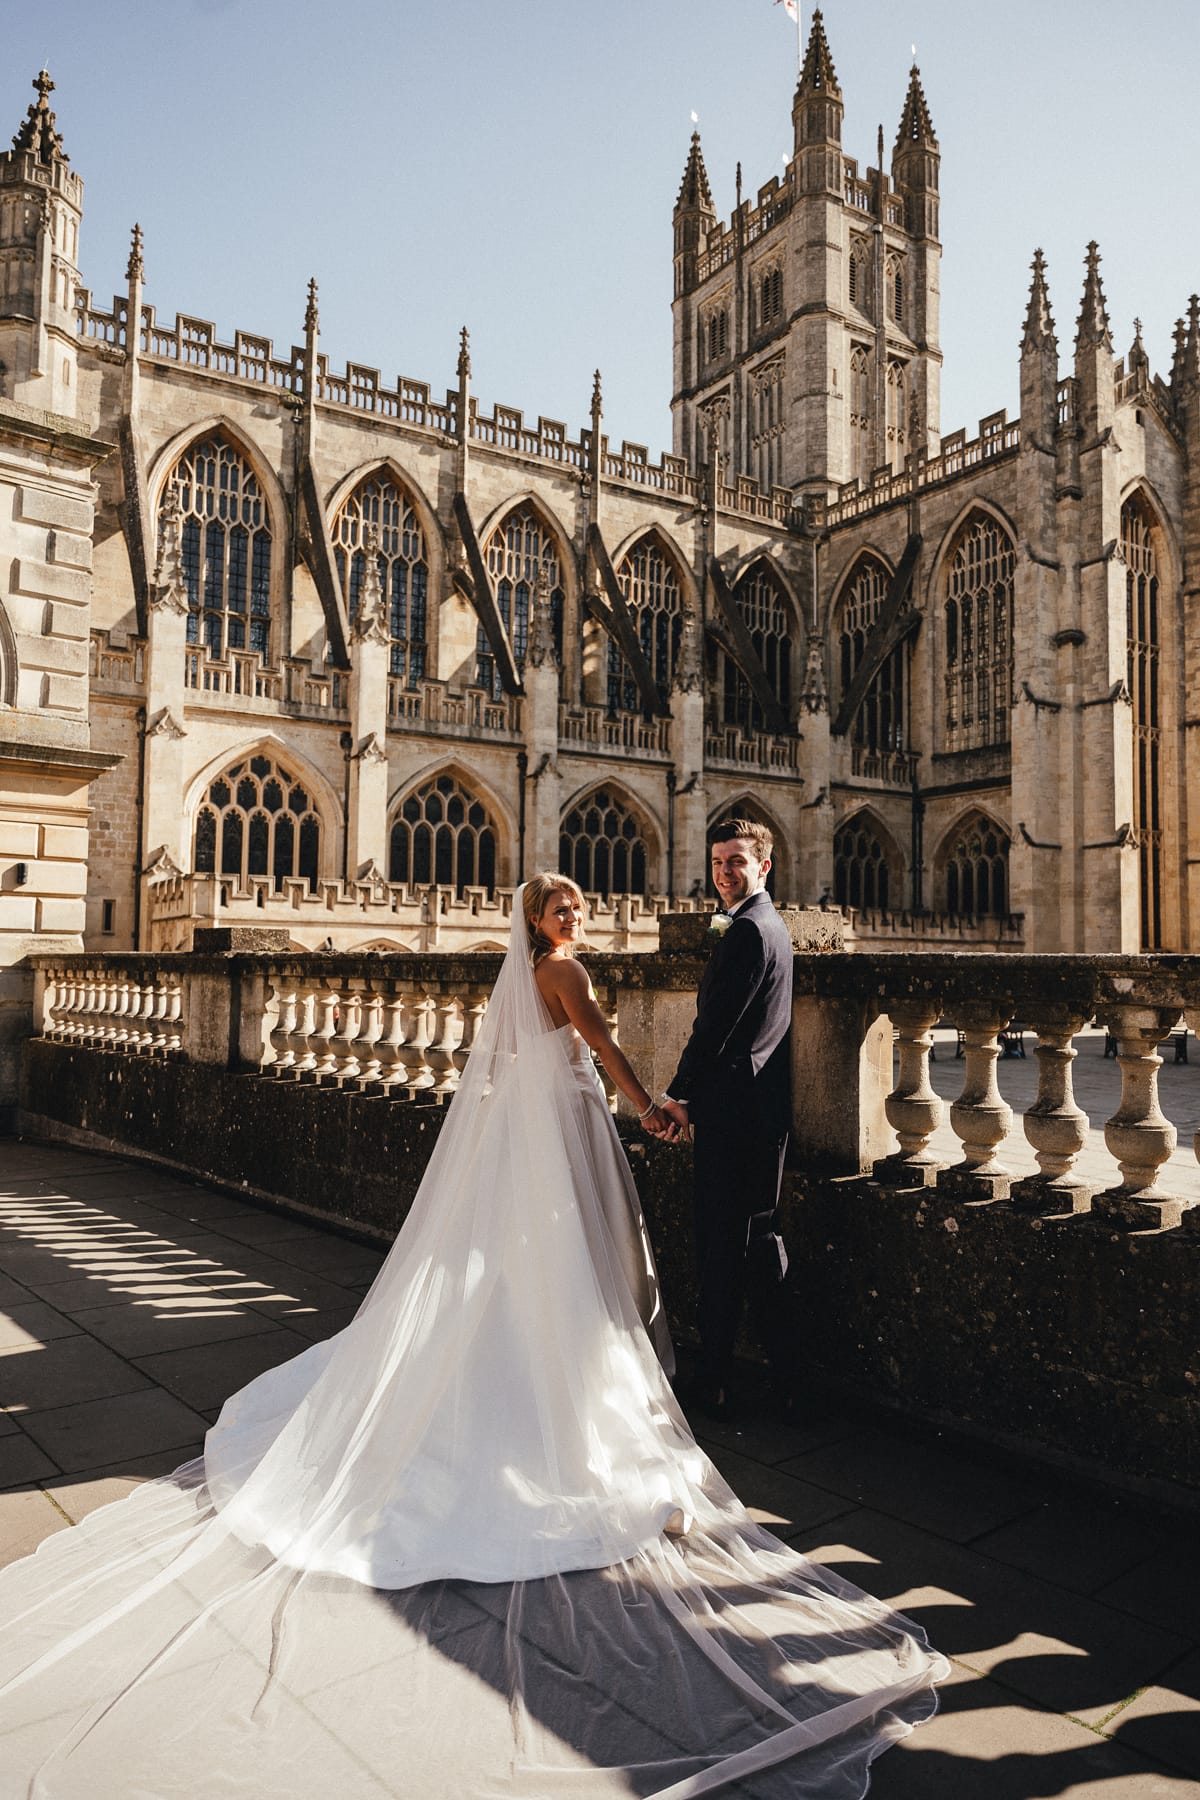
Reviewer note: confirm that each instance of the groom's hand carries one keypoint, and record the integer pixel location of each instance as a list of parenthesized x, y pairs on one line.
[(680, 1130)]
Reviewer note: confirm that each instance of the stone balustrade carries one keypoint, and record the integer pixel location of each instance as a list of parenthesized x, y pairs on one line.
[(401, 1027)]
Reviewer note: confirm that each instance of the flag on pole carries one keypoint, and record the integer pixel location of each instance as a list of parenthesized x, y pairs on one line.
[(791, 8)]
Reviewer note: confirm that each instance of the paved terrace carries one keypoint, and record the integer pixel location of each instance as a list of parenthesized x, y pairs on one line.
[(132, 1303)]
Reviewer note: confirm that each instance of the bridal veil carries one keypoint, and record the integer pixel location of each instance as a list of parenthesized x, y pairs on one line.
[(427, 1557)]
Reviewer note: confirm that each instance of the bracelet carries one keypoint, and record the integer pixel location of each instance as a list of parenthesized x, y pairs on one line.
[(653, 1107)]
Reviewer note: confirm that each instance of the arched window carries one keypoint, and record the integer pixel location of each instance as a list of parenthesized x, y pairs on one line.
[(514, 553), (859, 274), (978, 635), (976, 868), (881, 722), (602, 845), (897, 412), (1142, 635), (770, 296), (864, 864), (717, 333), (225, 544), (895, 288), (761, 602), (403, 567), (860, 413), (258, 819), (443, 833), (650, 584)]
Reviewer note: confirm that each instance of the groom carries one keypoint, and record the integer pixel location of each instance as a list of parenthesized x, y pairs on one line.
[(732, 1096)]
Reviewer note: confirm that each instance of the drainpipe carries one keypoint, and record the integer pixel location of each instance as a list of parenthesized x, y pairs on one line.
[(139, 858), (347, 744), (522, 770), (671, 778)]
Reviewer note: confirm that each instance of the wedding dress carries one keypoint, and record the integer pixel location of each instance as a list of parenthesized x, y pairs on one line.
[(437, 1555)]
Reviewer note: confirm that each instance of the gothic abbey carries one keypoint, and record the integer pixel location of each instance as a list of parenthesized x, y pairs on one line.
[(280, 645)]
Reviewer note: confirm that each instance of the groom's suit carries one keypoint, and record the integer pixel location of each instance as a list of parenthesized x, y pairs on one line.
[(735, 1075)]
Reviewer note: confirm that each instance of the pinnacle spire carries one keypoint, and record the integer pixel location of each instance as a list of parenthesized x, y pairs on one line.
[(1191, 349), (1137, 358), (1093, 328), (695, 195), (916, 126), (1039, 323), (818, 74), (597, 397), (136, 267), (38, 132), (312, 318), (463, 369), (1180, 336)]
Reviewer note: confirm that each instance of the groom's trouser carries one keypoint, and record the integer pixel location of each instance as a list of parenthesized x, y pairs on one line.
[(738, 1247)]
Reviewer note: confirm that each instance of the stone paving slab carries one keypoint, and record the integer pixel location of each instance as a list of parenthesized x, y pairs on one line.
[(1069, 1615)]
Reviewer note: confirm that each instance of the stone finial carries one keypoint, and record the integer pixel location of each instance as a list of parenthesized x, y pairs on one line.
[(135, 268), (1137, 362), (464, 357), (169, 590), (737, 182), (542, 652), (814, 695), (1039, 322), (312, 319), (597, 398), (1191, 348), (38, 132), (916, 126), (1093, 329), (689, 659), (370, 619), (818, 75), (1177, 359), (695, 195)]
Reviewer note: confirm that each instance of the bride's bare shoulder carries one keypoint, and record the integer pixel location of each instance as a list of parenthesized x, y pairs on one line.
[(560, 977)]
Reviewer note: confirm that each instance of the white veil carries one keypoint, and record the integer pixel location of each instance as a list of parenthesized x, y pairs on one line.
[(427, 1557)]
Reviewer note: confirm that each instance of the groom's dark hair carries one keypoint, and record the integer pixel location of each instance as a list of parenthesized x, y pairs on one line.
[(750, 829)]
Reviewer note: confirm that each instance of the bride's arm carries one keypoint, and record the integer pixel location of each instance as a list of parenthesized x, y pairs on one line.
[(567, 981)]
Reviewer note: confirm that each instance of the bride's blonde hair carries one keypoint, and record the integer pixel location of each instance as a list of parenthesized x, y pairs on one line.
[(534, 895)]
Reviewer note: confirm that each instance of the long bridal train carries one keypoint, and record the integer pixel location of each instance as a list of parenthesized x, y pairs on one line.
[(428, 1556)]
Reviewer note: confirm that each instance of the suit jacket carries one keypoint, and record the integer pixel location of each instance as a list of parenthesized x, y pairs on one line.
[(736, 1065)]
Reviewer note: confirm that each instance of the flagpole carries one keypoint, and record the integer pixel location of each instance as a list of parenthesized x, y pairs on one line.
[(799, 43)]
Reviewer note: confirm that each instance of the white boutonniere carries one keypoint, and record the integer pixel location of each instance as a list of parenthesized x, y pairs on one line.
[(719, 924)]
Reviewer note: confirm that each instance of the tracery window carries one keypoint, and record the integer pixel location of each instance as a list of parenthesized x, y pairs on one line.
[(881, 722), (895, 287), (859, 275), (978, 636), (1142, 636), (257, 818), (770, 295), (403, 567), (602, 845), (225, 545), (760, 600), (860, 413), (443, 833), (862, 863), (650, 584), (976, 868), (515, 552)]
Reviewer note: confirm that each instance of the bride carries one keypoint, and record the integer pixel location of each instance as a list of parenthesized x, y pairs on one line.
[(468, 1546)]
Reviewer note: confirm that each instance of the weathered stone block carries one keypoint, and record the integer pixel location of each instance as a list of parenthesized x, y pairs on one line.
[(44, 506), (49, 582), (69, 550)]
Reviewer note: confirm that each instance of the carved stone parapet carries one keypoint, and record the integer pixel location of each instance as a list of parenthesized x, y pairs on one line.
[(1139, 1135), (1055, 1125), (980, 1118), (913, 1110)]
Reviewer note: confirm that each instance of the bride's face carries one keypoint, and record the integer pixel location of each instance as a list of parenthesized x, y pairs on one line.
[(561, 922)]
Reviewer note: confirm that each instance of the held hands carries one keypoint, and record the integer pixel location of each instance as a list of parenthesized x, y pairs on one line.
[(678, 1125)]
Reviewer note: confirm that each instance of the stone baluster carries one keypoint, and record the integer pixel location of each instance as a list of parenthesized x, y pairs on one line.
[(980, 1118), (118, 1006), (325, 1005), (87, 1003), (1138, 1134), (58, 1006), (304, 1059), (1056, 1125), (474, 1004), (141, 1004), (155, 1012), (341, 1043), (418, 1076), (389, 1045), (282, 1036), (313, 1011), (173, 1017), (913, 1110), (440, 1054), (366, 1044)]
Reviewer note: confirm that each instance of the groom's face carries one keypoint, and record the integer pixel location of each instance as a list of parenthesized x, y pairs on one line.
[(736, 870)]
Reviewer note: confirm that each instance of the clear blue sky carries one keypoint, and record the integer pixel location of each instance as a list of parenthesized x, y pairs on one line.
[(514, 167)]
